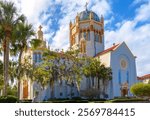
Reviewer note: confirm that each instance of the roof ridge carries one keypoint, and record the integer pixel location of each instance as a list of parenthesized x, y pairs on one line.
[(107, 50)]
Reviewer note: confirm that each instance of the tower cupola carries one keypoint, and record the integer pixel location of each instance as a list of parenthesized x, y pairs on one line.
[(87, 33)]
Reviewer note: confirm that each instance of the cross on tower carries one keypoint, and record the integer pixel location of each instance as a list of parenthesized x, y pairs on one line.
[(40, 27), (86, 5)]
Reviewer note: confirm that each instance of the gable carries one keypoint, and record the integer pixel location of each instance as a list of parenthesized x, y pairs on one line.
[(124, 49)]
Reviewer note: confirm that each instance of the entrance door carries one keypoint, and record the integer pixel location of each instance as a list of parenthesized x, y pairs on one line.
[(124, 92), (25, 89)]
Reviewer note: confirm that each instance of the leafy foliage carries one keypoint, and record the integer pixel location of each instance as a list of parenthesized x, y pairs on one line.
[(8, 99), (141, 90), (9, 19)]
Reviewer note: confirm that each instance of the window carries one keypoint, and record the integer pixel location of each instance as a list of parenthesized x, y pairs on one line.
[(88, 36), (40, 57), (127, 77), (100, 38), (61, 93), (119, 76), (96, 37), (35, 57), (84, 35)]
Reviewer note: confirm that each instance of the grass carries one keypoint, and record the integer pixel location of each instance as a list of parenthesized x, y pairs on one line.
[(116, 100)]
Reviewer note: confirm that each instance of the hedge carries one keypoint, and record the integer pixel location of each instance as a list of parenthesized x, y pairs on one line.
[(8, 99)]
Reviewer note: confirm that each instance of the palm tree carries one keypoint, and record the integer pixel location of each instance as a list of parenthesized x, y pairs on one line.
[(94, 70), (22, 40), (8, 21)]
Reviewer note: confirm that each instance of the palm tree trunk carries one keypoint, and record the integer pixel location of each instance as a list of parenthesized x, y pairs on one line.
[(52, 91), (6, 64), (19, 68), (7, 30), (52, 83)]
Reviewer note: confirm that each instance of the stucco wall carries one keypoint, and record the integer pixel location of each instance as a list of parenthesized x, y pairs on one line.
[(122, 52)]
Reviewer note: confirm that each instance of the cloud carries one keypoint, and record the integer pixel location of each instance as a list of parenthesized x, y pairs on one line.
[(139, 1), (143, 12), (101, 7)]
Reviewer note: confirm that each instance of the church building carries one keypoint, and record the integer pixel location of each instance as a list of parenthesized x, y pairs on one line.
[(87, 35)]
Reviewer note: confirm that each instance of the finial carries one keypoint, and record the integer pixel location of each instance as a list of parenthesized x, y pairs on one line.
[(86, 5), (40, 27)]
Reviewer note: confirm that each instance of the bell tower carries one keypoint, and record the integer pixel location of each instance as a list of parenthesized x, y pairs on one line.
[(87, 33)]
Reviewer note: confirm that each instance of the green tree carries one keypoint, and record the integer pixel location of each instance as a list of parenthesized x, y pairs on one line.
[(140, 90), (68, 66), (57, 66), (95, 71), (12, 90), (9, 18)]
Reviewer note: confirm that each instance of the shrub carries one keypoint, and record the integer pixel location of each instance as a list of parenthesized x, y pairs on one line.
[(8, 99), (91, 93), (141, 90)]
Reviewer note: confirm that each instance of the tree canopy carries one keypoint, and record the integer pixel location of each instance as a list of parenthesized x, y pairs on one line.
[(140, 89)]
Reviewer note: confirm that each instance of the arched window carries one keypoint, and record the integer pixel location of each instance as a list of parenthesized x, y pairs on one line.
[(100, 38), (40, 57), (119, 76), (35, 57), (127, 76), (96, 37), (84, 35)]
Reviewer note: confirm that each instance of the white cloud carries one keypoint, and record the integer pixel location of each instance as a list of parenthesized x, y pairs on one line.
[(143, 12), (139, 1), (101, 7), (61, 38)]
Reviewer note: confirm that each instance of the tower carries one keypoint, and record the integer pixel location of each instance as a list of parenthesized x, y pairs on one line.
[(87, 33), (37, 53)]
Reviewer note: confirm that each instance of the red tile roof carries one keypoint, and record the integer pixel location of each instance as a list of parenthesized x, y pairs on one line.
[(144, 77), (107, 50)]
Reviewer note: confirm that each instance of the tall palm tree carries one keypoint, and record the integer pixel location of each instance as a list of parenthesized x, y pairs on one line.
[(22, 39), (8, 21)]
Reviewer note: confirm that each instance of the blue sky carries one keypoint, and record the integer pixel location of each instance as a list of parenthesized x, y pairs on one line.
[(125, 20)]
